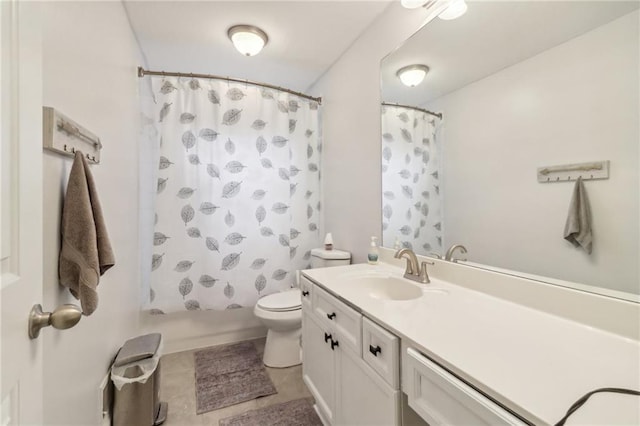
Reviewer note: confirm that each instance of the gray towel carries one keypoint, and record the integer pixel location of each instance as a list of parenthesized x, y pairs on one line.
[(86, 251), (577, 230)]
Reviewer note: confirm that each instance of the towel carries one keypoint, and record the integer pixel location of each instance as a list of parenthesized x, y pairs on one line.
[(86, 252), (577, 230)]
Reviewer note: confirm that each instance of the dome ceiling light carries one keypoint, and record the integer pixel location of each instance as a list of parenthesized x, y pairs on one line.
[(413, 4), (247, 39), (412, 75), (456, 9)]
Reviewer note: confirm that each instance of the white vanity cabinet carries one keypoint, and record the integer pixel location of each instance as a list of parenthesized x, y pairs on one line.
[(348, 389)]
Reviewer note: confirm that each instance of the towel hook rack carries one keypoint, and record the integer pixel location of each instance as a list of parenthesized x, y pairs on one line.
[(64, 136), (567, 172)]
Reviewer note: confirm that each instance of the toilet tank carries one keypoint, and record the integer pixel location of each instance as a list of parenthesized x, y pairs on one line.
[(321, 258)]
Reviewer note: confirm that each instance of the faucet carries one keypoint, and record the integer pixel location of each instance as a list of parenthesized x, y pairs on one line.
[(413, 271), (452, 249)]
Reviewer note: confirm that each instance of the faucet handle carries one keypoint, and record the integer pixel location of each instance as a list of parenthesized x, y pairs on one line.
[(424, 276)]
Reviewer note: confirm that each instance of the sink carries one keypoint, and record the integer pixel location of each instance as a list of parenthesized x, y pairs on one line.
[(384, 285), (390, 288)]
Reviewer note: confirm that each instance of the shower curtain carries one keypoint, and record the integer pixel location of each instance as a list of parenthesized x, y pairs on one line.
[(236, 207), (411, 179)]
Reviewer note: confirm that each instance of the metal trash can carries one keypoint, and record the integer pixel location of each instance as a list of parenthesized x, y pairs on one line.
[(135, 374)]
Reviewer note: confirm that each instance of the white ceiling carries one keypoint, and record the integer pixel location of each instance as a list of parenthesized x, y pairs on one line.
[(491, 36), (305, 37)]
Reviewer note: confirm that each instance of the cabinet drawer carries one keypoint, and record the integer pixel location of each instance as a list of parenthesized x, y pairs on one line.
[(380, 350), (343, 320), (306, 288), (440, 398)]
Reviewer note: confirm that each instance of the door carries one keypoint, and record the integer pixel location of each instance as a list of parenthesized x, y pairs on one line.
[(318, 366), (20, 211)]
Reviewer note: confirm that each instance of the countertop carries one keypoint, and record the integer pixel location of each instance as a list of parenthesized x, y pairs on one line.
[(530, 361)]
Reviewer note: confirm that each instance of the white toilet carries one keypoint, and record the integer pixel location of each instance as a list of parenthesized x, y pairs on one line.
[(281, 313)]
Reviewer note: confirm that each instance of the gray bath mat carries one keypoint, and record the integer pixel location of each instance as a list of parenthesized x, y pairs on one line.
[(298, 412), (230, 374)]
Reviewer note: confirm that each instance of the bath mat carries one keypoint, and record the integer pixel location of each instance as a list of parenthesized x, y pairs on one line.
[(298, 412), (230, 374)]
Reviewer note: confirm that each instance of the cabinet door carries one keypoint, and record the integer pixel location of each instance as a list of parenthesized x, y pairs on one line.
[(363, 397), (318, 366)]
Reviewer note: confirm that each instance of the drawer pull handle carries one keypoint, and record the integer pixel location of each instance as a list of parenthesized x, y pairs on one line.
[(375, 351), (327, 337), (305, 293), (331, 316), (334, 343)]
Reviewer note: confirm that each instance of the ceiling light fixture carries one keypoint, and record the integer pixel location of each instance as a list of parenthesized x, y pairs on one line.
[(247, 39), (412, 75), (413, 4), (456, 9)]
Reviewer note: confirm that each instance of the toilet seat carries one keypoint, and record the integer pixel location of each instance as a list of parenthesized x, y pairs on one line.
[(284, 301)]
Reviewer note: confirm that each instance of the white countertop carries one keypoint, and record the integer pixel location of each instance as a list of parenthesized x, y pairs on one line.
[(533, 362)]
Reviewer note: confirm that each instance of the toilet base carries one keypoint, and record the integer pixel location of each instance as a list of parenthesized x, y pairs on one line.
[(282, 348)]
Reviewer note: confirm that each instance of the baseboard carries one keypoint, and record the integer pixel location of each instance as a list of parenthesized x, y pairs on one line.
[(197, 342)]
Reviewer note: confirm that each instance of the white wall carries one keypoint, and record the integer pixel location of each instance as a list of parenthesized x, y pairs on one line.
[(350, 92), (89, 73), (577, 102)]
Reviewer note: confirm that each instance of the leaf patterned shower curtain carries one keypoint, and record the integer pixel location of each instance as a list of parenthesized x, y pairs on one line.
[(411, 174), (237, 207)]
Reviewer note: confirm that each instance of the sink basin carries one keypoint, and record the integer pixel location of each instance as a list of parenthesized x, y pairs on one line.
[(386, 286), (391, 288)]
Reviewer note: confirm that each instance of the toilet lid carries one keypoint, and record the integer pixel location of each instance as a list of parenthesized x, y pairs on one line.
[(284, 301)]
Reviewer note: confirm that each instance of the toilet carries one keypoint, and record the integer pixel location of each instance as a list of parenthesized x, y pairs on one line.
[(281, 313)]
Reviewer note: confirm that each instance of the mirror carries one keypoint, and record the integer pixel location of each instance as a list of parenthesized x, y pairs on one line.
[(521, 86)]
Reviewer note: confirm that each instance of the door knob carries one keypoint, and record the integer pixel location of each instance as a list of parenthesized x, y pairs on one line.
[(63, 317)]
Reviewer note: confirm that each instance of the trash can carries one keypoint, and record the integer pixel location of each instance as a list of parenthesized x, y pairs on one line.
[(135, 374)]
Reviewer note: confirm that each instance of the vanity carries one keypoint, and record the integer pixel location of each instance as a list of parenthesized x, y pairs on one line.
[(380, 350)]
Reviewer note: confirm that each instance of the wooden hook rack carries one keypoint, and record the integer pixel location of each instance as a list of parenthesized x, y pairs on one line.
[(64, 136)]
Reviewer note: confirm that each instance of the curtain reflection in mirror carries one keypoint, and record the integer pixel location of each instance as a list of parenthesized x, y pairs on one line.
[(411, 169)]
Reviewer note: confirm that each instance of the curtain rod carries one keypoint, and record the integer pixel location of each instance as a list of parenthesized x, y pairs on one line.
[(142, 72), (436, 114)]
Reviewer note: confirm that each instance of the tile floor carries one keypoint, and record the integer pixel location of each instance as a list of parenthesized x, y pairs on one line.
[(177, 387)]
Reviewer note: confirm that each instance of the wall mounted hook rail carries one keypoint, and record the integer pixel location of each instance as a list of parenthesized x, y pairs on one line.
[(571, 172), (62, 135)]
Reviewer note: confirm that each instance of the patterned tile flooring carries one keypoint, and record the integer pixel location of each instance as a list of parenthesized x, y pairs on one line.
[(177, 387)]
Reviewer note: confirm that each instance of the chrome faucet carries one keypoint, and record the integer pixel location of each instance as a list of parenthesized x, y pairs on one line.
[(413, 271), (452, 249)]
